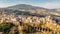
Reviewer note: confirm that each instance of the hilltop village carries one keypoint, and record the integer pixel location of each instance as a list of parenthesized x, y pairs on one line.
[(28, 24)]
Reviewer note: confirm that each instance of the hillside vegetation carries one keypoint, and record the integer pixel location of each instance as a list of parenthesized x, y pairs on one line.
[(30, 25)]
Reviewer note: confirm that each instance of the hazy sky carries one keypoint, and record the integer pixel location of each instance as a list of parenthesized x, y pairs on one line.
[(41, 3)]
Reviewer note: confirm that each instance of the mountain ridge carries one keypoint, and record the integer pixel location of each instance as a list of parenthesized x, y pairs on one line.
[(20, 6)]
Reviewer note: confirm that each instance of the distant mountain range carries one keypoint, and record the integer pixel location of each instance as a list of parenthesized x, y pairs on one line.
[(34, 9), (24, 6), (28, 7)]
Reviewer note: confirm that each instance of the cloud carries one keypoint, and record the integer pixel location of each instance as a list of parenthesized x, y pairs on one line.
[(50, 5), (3, 5)]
